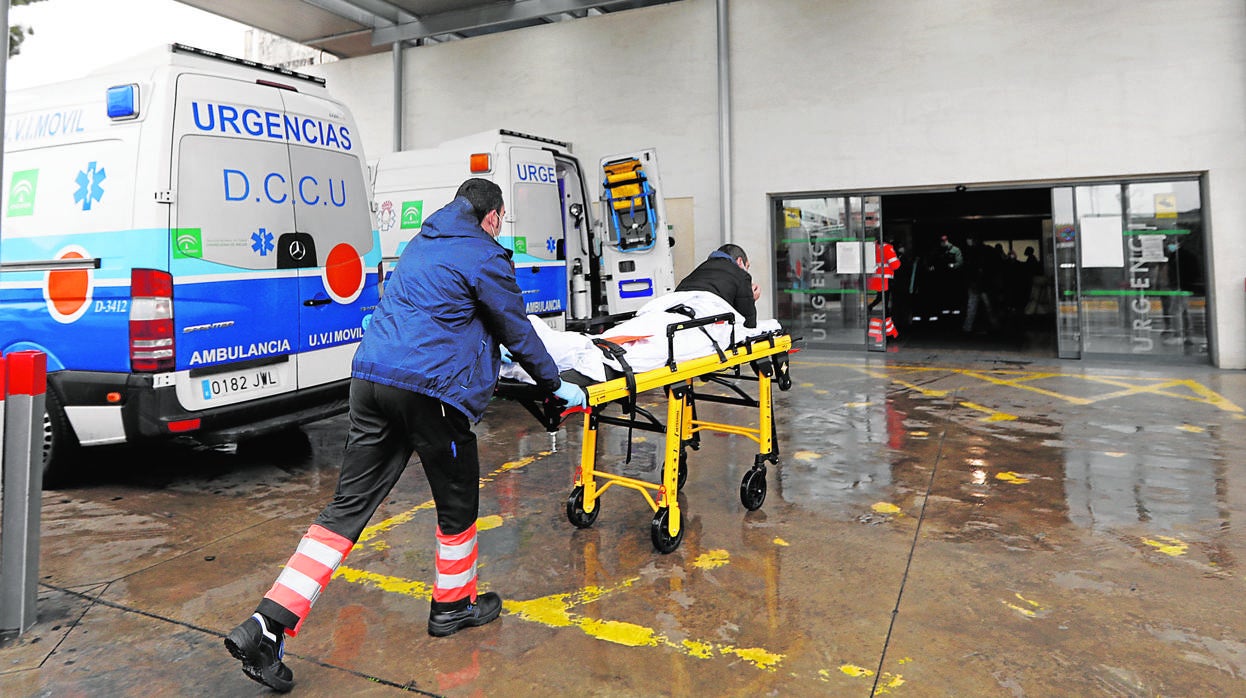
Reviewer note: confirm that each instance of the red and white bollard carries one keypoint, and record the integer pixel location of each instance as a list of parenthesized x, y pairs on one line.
[(23, 385)]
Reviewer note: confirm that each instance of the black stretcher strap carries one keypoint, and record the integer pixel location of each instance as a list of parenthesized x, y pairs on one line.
[(612, 350), (694, 322)]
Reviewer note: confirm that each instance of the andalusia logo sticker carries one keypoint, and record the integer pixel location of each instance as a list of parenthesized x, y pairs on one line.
[(22, 193), (412, 214), (187, 243)]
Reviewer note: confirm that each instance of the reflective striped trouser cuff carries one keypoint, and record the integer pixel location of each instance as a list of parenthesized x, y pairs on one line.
[(308, 572), (456, 566)]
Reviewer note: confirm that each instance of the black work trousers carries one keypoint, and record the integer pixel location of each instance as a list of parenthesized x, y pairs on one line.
[(387, 425)]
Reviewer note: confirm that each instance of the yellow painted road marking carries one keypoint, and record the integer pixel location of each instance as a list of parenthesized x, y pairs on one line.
[(780, 541), (806, 455), (991, 415), (929, 392), (1192, 428), (1168, 545), (1017, 383), (854, 670), (398, 519), (1027, 612), (1012, 477), (486, 523), (555, 611), (712, 559), (1023, 380), (887, 682)]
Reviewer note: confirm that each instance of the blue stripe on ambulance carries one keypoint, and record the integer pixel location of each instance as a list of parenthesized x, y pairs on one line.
[(99, 339)]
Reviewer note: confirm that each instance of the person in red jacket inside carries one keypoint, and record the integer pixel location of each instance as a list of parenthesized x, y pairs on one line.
[(886, 262)]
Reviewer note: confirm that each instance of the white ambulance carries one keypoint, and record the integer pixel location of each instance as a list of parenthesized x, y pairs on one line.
[(571, 268), (189, 239)]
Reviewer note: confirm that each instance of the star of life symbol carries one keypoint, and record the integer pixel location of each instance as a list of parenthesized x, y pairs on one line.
[(552, 245), (386, 218), (262, 242), (89, 188)]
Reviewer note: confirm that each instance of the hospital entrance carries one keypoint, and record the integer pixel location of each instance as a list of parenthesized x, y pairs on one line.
[(1113, 269)]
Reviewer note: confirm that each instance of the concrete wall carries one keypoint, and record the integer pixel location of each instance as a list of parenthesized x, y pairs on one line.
[(863, 94)]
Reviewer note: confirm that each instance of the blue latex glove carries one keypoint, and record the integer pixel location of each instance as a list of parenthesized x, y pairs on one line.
[(571, 394), (506, 355)]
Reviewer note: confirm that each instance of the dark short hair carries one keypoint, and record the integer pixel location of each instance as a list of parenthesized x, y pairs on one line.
[(734, 251), (483, 195)]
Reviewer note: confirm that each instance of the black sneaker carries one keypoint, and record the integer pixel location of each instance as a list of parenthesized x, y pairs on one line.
[(486, 608), (260, 652)]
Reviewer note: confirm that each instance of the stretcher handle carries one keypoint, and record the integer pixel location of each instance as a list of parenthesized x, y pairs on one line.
[(692, 323)]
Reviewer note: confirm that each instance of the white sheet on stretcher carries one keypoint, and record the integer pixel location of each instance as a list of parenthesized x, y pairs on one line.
[(572, 350)]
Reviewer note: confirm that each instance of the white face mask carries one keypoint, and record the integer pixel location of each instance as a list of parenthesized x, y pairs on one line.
[(496, 228)]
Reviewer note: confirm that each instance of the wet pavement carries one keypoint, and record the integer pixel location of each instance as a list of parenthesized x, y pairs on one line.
[(938, 525)]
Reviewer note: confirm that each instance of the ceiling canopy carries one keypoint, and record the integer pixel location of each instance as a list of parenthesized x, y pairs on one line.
[(348, 28)]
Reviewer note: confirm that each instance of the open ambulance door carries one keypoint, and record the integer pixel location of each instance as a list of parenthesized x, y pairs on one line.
[(636, 260), (533, 231), (581, 248)]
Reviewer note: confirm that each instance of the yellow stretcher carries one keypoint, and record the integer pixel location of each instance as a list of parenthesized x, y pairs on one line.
[(767, 354)]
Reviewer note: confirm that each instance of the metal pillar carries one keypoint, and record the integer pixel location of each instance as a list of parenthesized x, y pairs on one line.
[(398, 105), (21, 488), (724, 124)]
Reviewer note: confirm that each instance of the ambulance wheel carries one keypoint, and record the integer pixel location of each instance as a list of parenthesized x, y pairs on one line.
[(663, 541), (60, 445), (575, 509), (683, 470), (753, 489)]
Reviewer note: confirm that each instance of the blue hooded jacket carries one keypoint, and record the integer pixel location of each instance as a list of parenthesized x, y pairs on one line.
[(449, 302)]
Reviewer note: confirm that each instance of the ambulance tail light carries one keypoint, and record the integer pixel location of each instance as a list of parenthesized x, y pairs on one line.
[(151, 321), (481, 162)]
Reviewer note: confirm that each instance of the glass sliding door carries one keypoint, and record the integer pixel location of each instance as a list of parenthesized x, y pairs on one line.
[(819, 246), (1130, 269), (1103, 305), (1164, 229), (868, 211), (1064, 242)]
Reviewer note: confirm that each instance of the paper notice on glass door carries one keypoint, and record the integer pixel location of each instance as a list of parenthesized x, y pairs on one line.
[(1102, 244), (847, 258), (1151, 249)]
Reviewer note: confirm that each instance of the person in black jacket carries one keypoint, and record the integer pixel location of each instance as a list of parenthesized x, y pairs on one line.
[(725, 274)]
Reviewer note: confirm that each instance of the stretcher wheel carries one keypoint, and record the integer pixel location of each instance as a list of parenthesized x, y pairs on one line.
[(683, 469), (575, 509), (753, 489), (663, 541)]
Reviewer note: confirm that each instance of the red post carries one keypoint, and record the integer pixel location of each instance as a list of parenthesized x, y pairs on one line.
[(21, 486)]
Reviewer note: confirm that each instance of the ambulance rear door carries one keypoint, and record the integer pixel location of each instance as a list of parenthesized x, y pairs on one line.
[(636, 260), (582, 249), (534, 231), (332, 246), (235, 320)]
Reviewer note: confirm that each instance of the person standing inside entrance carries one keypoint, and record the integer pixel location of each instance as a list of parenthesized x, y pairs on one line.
[(886, 262), (725, 273), (423, 373)]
